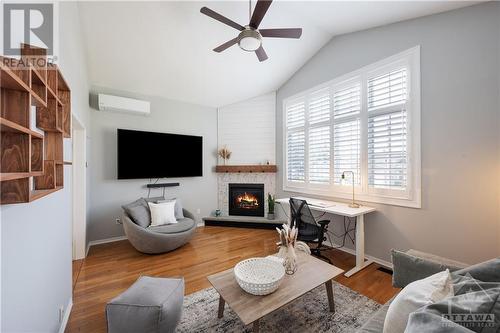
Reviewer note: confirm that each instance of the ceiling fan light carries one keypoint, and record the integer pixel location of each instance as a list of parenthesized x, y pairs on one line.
[(249, 40), (249, 44)]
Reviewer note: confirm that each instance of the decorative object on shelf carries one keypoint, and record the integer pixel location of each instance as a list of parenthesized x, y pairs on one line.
[(270, 201), (225, 154), (218, 213), (288, 245), (259, 276), (353, 204)]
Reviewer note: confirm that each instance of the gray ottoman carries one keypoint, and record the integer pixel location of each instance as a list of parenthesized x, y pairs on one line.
[(150, 305)]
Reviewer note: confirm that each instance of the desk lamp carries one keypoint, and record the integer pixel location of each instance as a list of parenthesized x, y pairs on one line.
[(352, 204)]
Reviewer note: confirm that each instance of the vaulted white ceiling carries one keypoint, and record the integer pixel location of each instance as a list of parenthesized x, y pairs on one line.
[(165, 48)]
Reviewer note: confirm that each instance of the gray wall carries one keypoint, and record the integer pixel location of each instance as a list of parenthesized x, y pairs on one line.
[(108, 193), (36, 237), (460, 129)]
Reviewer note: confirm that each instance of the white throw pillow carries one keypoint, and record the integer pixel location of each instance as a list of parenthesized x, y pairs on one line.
[(414, 296), (162, 213)]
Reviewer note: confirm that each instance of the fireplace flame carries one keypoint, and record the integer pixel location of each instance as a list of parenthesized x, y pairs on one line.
[(247, 201)]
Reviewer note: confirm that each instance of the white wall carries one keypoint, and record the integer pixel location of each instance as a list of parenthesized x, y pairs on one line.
[(248, 130), (109, 194), (36, 237), (460, 129)]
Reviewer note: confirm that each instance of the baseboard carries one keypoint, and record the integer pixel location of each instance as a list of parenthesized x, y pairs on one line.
[(104, 241), (67, 312)]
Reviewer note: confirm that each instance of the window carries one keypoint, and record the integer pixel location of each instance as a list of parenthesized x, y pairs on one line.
[(367, 122)]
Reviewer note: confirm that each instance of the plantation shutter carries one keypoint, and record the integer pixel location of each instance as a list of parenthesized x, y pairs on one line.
[(319, 106), (319, 109), (347, 101), (387, 131), (295, 141), (347, 150), (387, 90), (295, 115), (347, 133), (319, 155)]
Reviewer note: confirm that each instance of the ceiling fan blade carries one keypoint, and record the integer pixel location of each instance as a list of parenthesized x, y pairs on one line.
[(226, 45), (261, 54), (259, 12), (220, 18), (281, 33)]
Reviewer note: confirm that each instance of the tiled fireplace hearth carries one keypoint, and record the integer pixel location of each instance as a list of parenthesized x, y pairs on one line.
[(264, 182)]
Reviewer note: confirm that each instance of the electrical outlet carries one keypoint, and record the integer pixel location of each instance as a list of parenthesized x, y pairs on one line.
[(198, 211), (61, 314), (118, 221)]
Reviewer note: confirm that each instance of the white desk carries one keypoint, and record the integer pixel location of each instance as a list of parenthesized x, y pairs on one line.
[(342, 209)]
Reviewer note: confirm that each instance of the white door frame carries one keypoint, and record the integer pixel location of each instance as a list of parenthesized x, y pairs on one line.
[(79, 199)]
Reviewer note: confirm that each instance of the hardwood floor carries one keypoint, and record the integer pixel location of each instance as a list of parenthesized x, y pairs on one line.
[(111, 268)]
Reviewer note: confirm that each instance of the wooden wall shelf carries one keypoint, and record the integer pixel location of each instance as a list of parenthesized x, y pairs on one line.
[(246, 169), (31, 164)]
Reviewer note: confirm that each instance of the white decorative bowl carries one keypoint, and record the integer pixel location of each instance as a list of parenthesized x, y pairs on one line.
[(259, 276)]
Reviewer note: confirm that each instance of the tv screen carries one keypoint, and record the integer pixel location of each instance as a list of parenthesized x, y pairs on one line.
[(158, 155)]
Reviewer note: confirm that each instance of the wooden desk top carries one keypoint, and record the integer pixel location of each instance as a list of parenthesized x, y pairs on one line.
[(311, 273)]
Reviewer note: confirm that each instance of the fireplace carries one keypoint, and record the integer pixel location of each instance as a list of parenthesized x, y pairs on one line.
[(246, 199)]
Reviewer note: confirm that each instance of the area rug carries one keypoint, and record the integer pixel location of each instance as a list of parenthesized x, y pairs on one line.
[(308, 313)]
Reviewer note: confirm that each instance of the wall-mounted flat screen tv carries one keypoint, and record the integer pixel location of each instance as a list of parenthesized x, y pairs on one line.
[(158, 155)]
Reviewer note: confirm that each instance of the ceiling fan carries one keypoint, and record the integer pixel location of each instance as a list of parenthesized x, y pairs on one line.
[(250, 36)]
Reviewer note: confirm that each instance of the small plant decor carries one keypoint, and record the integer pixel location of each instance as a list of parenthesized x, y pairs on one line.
[(271, 200)]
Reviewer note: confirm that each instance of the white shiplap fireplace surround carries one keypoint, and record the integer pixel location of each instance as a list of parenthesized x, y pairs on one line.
[(224, 179), (247, 129)]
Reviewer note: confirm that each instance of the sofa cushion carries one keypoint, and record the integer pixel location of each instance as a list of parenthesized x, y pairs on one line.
[(487, 271), (182, 225), (162, 213), (178, 207), (138, 211), (408, 268), (431, 323), (475, 307), (414, 296)]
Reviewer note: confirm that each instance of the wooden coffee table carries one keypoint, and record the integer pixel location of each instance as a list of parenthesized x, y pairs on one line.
[(311, 273)]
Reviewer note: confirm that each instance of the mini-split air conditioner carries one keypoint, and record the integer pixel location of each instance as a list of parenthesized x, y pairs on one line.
[(112, 103)]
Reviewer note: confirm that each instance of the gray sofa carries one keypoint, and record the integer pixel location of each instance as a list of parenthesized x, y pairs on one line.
[(419, 265), (162, 238)]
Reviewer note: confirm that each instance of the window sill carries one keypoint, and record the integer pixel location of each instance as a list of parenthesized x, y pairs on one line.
[(369, 198)]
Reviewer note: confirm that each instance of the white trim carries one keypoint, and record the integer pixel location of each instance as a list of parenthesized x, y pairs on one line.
[(67, 312), (104, 241), (411, 196), (79, 192)]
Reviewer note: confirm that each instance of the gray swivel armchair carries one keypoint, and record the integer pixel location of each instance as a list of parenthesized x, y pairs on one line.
[(162, 238)]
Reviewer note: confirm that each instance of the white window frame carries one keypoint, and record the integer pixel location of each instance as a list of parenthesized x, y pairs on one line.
[(411, 197)]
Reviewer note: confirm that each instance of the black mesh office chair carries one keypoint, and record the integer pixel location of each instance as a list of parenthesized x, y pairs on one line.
[(310, 230)]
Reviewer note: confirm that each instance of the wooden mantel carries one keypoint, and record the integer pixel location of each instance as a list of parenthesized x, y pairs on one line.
[(246, 168)]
